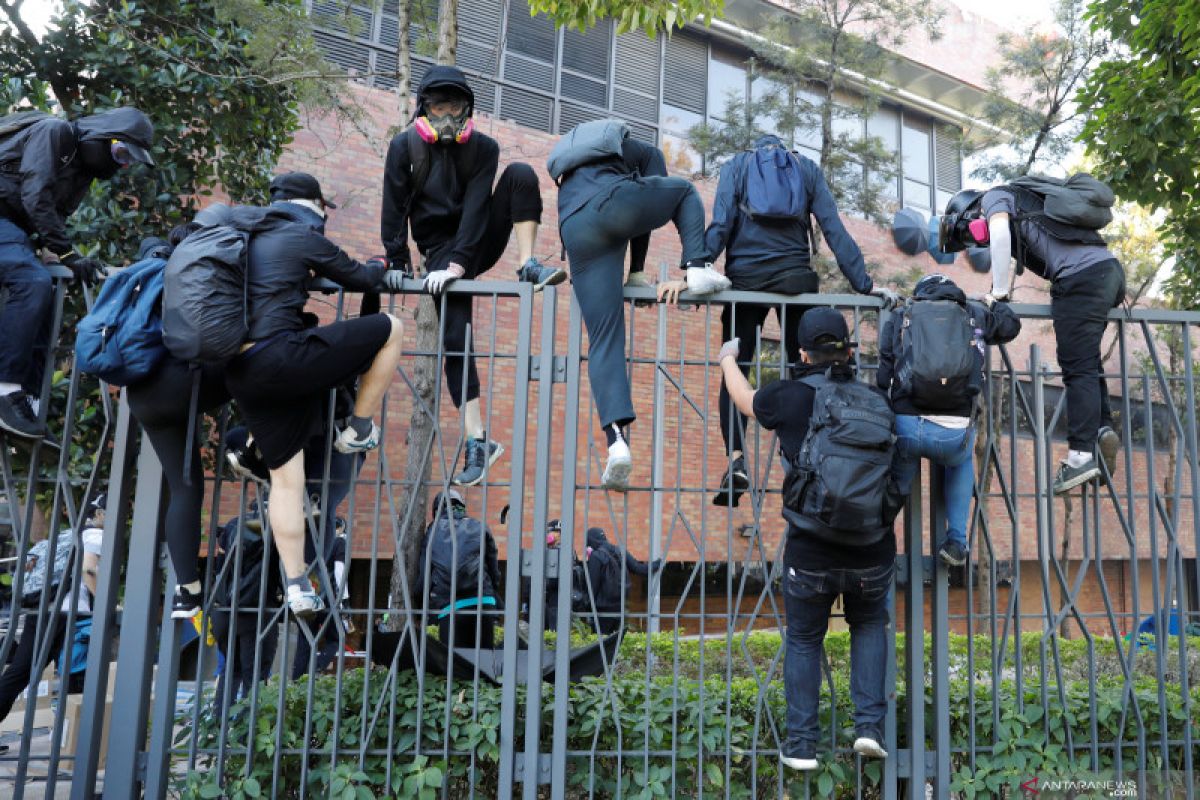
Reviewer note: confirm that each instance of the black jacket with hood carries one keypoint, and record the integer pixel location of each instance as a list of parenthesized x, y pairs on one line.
[(605, 566), (289, 247), (453, 548), (43, 178), (997, 325), (453, 204)]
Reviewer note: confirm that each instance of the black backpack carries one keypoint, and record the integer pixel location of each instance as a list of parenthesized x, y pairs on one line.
[(937, 356), (419, 162), (12, 124), (256, 555), (837, 485), (1031, 208)]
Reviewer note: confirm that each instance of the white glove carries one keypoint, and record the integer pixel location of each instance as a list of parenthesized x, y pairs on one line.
[(394, 279), (731, 348), (890, 299), (436, 282)]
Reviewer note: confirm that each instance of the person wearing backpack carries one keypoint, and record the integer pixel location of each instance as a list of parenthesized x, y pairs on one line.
[(46, 166), (605, 566), (459, 574), (40, 577), (761, 220), (604, 205), (282, 374), (438, 180), (931, 364), (836, 502), (1052, 228)]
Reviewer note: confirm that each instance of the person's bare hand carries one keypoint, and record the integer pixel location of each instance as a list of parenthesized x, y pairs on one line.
[(668, 291)]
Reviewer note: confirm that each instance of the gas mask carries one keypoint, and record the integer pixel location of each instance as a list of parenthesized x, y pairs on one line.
[(959, 231), (447, 128)]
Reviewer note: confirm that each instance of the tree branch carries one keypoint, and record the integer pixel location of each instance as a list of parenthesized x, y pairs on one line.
[(61, 89)]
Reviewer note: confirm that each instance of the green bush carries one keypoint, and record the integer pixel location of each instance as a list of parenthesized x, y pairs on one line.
[(680, 732)]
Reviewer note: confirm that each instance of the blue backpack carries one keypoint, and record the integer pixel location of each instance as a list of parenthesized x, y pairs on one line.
[(120, 340), (775, 189)]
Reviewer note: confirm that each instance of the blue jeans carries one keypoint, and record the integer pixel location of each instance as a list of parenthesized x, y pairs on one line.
[(949, 448), (808, 597), (25, 316)]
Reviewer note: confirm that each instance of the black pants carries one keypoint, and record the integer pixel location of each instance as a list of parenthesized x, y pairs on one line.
[(160, 404), (20, 666), (327, 649), (516, 198), (1079, 306), (743, 321), (465, 621), (239, 662)]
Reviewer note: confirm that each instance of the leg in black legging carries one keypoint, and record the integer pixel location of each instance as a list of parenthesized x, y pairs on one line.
[(741, 321), (21, 665)]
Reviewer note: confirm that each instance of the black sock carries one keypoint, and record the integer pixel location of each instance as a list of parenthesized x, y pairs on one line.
[(614, 432), (361, 426)]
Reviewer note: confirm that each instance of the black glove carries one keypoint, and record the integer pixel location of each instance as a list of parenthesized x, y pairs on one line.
[(87, 270), (378, 261), (400, 264)]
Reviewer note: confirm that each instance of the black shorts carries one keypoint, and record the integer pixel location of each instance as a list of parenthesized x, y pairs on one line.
[(282, 385)]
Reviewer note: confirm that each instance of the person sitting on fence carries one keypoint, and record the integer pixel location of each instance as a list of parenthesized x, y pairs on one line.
[(46, 166), (761, 220), (282, 375), (606, 585), (1052, 227), (438, 180), (931, 364), (459, 574), (604, 204), (42, 575), (837, 538)]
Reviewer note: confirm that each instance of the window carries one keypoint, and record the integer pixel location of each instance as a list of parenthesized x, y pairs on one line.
[(915, 141), (726, 80), (808, 134), (763, 88), (675, 123), (884, 124)]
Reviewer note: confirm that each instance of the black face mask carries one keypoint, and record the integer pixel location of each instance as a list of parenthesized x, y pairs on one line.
[(96, 157)]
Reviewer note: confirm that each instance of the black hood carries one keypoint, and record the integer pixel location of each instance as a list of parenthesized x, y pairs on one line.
[(154, 247), (596, 538), (938, 288), (127, 124), (441, 76)]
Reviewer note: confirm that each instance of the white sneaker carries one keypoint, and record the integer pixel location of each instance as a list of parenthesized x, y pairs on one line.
[(618, 466), (706, 280), (802, 764), (868, 747), (348, 441), (304, 603)]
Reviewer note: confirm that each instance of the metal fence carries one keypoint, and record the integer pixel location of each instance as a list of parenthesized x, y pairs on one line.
[(1058, 654)]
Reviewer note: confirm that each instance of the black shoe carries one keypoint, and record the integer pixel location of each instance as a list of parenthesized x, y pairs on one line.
[(1108, 443), (185, 605), (1068, 477), (480, 454), (246, 462), (953, 553), (17, 417), (741, 484), (533, 271)]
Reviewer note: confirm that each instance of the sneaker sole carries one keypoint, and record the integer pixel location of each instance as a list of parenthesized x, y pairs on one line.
[(722, 500), (23, 434), (185, 613), (950, 562), (800, 764), (492, 459), (306, 614), (616, 476), (1078, 480), (351, 449), (236, 467), (741, 483), (554, 280), (1108, 444), (869, 749)]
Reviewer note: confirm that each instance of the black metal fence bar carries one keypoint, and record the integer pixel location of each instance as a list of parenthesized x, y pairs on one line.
[(688, 700)]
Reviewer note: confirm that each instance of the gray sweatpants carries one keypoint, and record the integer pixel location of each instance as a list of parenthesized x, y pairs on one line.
[(596, 238)]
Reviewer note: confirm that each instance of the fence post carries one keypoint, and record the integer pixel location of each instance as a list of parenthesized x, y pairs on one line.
[(914, 640), (940, 633)]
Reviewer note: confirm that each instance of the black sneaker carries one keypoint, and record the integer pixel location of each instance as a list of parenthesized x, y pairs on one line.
[(1068, 477), (246, 462), (17, 416), (185, 605), (741, 484), (1108, 443), (533, 271), (479, 455), (953, 553)]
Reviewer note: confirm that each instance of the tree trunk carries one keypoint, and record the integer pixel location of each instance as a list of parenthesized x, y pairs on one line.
[(421, 427)]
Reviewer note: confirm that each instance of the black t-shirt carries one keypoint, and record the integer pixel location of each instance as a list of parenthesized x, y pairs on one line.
[(785, 407)]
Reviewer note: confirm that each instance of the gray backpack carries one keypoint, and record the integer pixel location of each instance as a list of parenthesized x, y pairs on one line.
[(1080, 201), (585, 144), (837, 486)]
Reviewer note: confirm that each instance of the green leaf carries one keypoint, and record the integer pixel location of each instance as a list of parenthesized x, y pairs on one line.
[(715, 775)]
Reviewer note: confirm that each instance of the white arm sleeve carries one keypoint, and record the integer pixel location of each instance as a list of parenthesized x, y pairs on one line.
[(1000, 244)]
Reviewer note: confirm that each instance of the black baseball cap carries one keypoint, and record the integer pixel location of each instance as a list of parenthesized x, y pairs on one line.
[(297, 186), (824, 330)]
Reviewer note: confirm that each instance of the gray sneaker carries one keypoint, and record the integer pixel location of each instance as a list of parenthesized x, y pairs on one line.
[(1108, 443), (1068, 477), (478, 456), (17, 416), (533, 271)]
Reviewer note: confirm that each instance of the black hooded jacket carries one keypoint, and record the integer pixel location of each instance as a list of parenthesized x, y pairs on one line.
[(289, 248), (453, 548), (998, 325), (604, 567), (42, 177), (453, 204)]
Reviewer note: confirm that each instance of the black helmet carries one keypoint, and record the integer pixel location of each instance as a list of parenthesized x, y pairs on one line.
[(953, 234), (452, 497), (962, 201)]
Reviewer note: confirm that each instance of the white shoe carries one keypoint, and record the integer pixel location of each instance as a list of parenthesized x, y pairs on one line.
[(868, 747), (618, 466), (802, 764), (304, 603), (348, 441), (706, 280)]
